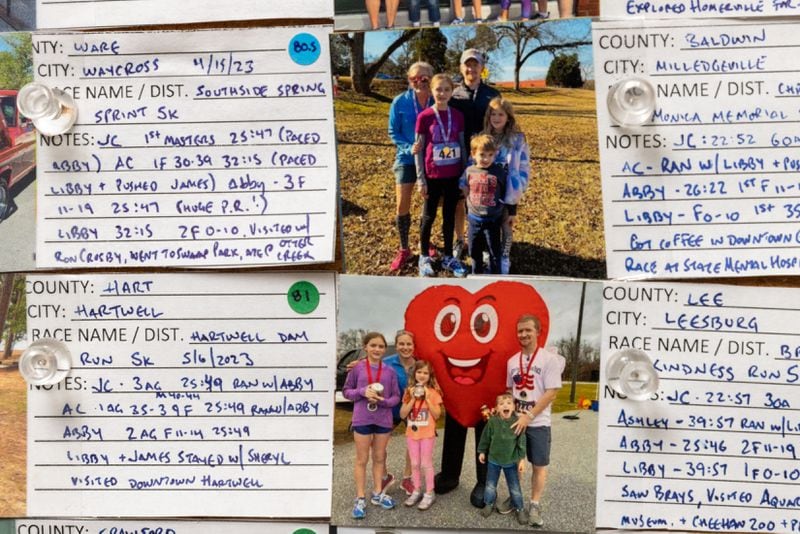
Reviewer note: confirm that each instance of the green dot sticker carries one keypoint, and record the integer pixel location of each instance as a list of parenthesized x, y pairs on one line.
[(304, 530), (303, 297)]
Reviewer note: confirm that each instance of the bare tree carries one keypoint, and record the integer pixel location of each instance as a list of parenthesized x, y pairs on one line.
[(532, 38), (361, 72)]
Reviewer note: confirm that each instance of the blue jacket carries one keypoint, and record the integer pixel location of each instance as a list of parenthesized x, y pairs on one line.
[(402, 380), (402, 121)]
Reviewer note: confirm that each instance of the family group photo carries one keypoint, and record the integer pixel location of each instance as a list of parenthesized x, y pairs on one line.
[(462, 404), (469, 150)]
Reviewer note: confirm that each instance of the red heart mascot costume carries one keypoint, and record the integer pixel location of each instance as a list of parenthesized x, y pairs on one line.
[(468, 337)]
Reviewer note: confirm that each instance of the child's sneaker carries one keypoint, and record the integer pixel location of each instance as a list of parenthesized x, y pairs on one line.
[(457, 21), (535, 519), (426, 267), (387, 482), (487, 510), (449, 263), (413, 498), (383, 500), (522, 516), (505, 507), (400, 259), (415, 24), (541, 15), (427, 501), (459, 250), (360, 508), (505, 265), (436, 24), (408, 485)]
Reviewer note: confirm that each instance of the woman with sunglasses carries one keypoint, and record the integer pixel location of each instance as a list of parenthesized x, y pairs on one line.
[(402, 120)]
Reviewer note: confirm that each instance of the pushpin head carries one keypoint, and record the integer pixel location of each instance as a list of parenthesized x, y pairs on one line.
[(45, 362), (52, 111), (630, 372), (631, 102)]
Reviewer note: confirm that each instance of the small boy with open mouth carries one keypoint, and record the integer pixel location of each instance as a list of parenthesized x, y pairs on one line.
[(506, 453)]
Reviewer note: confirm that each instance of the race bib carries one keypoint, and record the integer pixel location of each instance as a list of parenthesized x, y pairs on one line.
[(446, 153), (524, 406), (420, 420)]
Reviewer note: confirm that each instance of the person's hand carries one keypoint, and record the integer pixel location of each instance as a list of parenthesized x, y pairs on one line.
[(423, 190), (521, 466), (511, 220), (372, 395), (415, 148), (482, 458), (352, 364), (521, 424)]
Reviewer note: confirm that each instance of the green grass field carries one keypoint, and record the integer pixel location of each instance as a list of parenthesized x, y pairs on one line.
[(559, 228)]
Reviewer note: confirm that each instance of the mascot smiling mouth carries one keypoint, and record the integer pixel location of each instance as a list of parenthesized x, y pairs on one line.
[(466, 372)]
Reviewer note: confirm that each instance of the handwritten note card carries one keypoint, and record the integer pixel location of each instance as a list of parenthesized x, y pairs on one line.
[(84, 526), (189, 395), (104, 13), (691, 9), (206, 148), (716, 448), (710, 186)]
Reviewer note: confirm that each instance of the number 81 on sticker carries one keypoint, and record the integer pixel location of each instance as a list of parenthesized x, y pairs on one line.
[(303, 297)]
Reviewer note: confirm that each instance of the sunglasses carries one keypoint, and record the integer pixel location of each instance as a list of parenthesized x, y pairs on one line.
[(420, 79)]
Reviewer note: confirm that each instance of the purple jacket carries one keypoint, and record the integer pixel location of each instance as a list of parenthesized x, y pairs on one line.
[(355, 387)]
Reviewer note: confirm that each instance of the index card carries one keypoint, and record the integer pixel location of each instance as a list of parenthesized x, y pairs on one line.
[(94, 526), (206, 148), (103, 13), (692, 9), (708, 187), (716, 446), (189, 395)]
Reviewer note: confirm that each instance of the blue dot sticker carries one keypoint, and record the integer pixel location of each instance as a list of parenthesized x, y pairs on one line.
[(304, 49)]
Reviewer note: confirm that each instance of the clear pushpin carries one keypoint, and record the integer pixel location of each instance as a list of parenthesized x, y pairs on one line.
[(45, 362), (630, 372), (52, 111), (631, 102)]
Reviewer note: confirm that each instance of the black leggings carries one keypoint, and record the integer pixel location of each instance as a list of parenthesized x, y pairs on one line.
[(446, 189)]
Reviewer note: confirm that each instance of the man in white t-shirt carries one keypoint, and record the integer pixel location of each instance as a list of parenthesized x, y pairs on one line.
[(534, 378)]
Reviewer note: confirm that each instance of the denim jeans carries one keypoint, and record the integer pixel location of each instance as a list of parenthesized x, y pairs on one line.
[(482, 236), (433, 10), (512, 480)]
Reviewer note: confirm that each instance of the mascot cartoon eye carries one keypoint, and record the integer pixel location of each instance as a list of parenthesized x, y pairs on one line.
[(484, 323), (446, 323)]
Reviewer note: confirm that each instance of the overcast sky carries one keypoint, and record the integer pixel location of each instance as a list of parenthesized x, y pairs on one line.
[(379, 302)]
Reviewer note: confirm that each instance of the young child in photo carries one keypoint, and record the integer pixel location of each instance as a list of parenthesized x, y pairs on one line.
[(440, 161), (484, 187), (422, 407), (505, 451), (372, 386), (513, 154)]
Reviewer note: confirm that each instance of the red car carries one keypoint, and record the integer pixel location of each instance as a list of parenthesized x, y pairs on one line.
[(17, 147)]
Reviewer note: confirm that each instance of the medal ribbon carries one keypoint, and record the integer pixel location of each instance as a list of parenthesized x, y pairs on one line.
[(527, 379), (417, 407), (445, 133), (369, 371)]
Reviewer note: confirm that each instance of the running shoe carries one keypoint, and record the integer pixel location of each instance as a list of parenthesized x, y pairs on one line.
[(426, 267), (400, 259), (427, 501), (360, 508), (449, 263)]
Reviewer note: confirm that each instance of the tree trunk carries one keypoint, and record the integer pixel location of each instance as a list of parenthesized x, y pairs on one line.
[(363, 74), (9, 345), (5, 299)]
